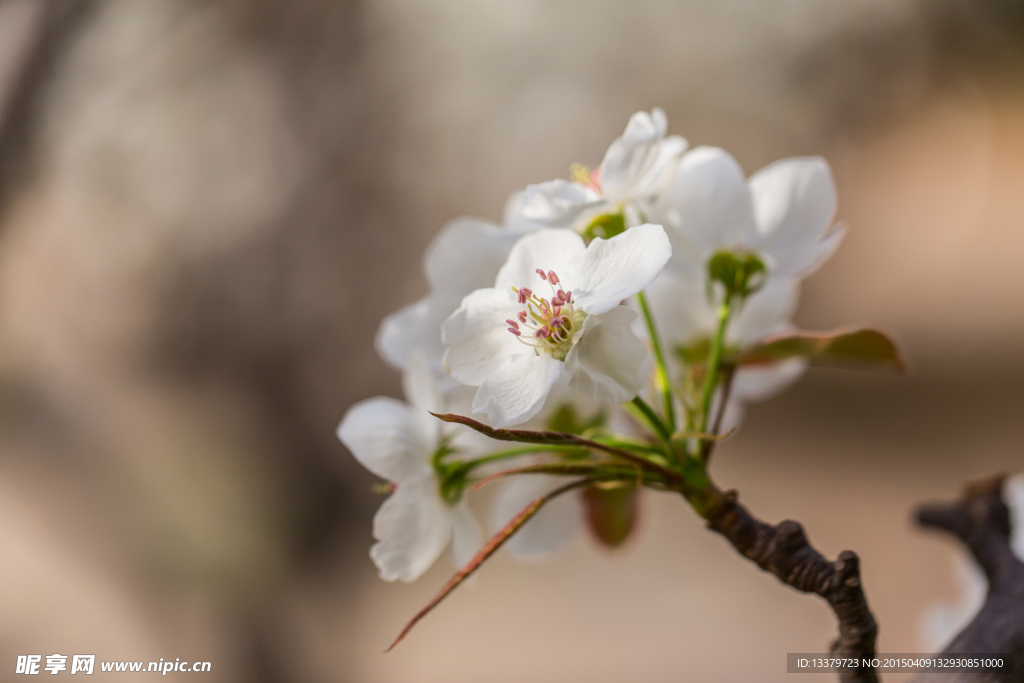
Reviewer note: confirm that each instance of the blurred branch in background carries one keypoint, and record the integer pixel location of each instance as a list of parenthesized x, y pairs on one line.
[(865, 77), (982, 521), (37, 32)]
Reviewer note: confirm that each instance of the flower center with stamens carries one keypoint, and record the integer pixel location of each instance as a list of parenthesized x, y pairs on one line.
[(578, 173), (547, 325)]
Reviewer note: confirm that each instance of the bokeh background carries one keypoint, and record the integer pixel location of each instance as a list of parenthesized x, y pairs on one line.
[(207, 207)]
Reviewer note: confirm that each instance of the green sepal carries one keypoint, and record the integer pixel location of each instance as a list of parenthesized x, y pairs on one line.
[(606, 226), (565, 419), (741, 274)]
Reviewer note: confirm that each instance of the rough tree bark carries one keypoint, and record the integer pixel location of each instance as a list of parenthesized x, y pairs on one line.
[(980, 518), (784, 551)]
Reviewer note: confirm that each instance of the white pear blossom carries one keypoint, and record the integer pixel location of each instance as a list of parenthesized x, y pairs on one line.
[(687, 321), (943, 620), (515, 345), (464, 256), (396, 441), (782, 214), (637, 166)]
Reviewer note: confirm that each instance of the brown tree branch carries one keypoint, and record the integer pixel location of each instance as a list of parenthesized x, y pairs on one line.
[(981, 520), (54, 24), (784, 551)]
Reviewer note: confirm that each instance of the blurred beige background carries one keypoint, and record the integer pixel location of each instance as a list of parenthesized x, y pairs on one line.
[(208, 207)]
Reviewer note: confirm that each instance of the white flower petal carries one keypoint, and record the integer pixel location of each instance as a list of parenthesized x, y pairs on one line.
[(630, 156), (609, 271), (514, 220), (708, 205), (419, 386), (794, 202), (679, 304), (477, 335), (468, 441), (385, 437), (412, 528), (423, 394), (547, 249), (802, 259), (562, 395), (662, 168), (466, 255), (417, 326), (554, 527), (515, 392), (609, 361), (767, 311), (467, 536), (557, 203), (762, 382)]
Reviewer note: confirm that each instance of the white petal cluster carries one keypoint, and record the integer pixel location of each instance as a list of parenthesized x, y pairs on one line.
[(595, 346), (635, 169), (526, 319), (465, 256), (783, 214), (396, 441)]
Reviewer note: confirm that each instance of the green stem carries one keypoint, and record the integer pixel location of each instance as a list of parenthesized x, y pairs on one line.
[(454, 475), (652, 419), (515, 452), (714, 360), (664, 380), (709, 446)]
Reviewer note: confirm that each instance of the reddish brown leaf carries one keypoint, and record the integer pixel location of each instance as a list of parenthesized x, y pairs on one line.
[(843, 347), (611, 512), (559, 439)]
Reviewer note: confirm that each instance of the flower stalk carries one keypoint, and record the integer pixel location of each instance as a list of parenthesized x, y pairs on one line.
[(714, 361), (663, 379), (650, 418)]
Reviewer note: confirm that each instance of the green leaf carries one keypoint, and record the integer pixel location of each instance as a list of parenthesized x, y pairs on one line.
[(842, 347)]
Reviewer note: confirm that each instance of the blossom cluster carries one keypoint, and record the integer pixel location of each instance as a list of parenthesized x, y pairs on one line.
[(619, 306)]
